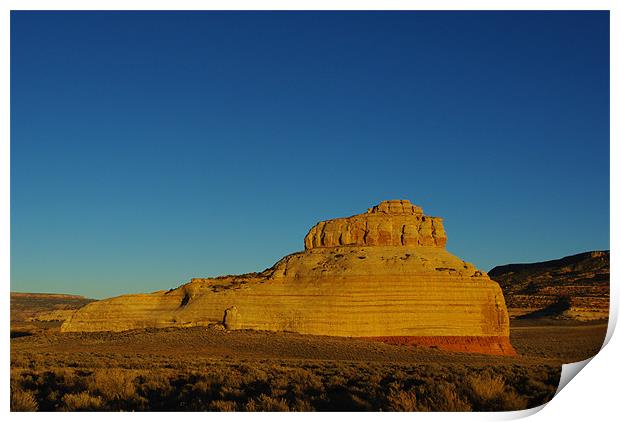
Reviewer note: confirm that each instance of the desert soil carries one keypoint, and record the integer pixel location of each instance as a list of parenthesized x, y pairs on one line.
[(537, 342)]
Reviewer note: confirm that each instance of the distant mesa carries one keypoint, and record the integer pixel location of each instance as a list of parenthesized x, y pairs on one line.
[(44, 306), (382, 275), (575, 287)]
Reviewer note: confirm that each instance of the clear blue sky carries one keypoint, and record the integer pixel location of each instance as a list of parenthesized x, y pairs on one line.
[(148, 148)]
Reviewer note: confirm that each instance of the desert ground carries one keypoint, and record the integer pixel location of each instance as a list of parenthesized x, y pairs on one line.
[(212, 369)]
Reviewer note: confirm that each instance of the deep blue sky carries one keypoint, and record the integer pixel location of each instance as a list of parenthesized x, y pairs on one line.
[(148, 148)]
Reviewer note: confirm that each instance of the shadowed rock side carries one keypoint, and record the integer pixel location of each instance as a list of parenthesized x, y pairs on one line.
[(574, 287), (399, 293)]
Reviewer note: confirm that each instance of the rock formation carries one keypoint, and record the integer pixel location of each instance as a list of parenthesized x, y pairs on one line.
[(382, 275), (40, 312), (391, 223), (32, 306), (574, 287)]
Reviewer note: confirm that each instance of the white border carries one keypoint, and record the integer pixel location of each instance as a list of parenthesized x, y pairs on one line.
[(591, 396), (309, 5)]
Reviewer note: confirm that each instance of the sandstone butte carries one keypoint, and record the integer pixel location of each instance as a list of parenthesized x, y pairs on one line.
[(383, 275)]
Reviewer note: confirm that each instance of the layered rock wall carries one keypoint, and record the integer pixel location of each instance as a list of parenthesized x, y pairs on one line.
[(574, 287), (391, 223)]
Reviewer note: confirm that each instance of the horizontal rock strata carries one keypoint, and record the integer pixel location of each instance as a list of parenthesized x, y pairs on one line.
[(391, 223), (418, 292), (574, 287)]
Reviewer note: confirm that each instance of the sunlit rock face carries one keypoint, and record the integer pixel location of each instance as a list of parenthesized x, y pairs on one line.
[(391, 223), (382, 275)]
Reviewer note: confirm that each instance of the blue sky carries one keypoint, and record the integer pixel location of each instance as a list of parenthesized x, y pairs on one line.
[(151, 147)]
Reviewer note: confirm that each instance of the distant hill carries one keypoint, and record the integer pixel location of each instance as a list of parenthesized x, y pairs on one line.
[(573, 287), (28, 307)]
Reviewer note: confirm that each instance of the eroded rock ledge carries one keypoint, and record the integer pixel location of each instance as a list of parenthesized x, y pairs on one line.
[(391, 223)]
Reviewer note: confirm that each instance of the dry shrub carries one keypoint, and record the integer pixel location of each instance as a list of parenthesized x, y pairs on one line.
[(302, 406), (448, 400), (81, 402), (67, 379), (199, 396), (156, 381), (23, 401), (404, 401), (216, 379), (113, 384), (48, 383), (486, 388), (223, 406), (510, 400), (264, 403), (492, 394), (206, 388), (303, 380), (338, 381), (251, 374)]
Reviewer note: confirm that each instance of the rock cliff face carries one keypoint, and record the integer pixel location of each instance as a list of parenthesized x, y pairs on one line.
[(391, 223), (574, 287), (383, 275)]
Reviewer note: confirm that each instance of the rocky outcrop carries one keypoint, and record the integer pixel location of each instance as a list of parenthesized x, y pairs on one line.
[(391, 223), (574, 287), (377, 284)]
